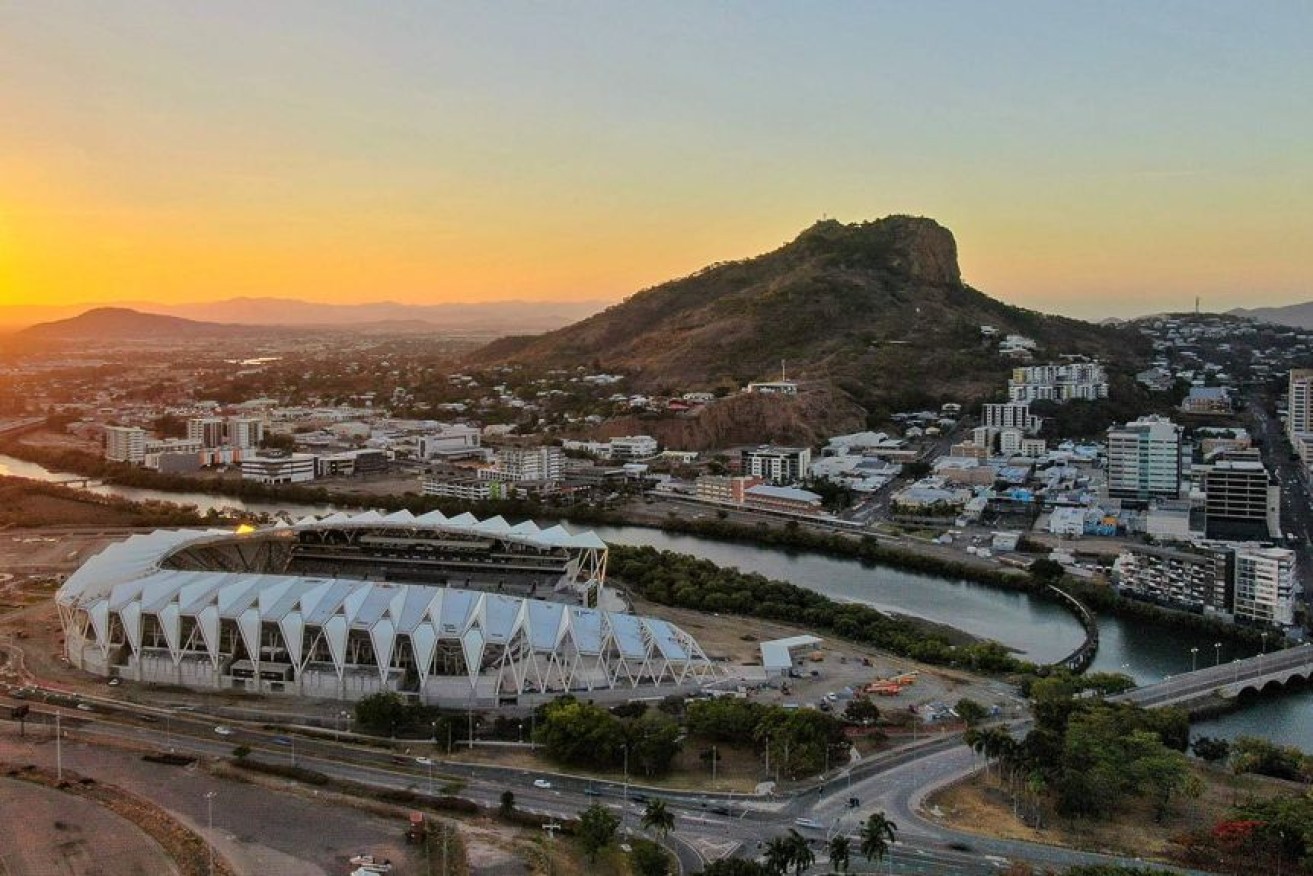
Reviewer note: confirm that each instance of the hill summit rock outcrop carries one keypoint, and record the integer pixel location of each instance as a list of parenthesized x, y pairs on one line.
[(876, 310)]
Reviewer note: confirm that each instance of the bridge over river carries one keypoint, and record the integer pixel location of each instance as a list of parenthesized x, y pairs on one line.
[(1227, 680)]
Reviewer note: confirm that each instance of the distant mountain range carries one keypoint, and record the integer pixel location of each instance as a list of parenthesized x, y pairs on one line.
[(121, 323), (877, 310), (1295, 315), (496, 317)]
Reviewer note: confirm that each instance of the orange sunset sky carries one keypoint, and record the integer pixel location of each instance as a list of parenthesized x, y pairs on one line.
[(1091, 159)]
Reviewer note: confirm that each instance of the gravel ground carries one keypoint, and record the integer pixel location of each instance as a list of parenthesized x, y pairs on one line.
[(43, 831)]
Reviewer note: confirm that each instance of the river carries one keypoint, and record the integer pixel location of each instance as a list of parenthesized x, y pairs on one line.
[(1039, 630)]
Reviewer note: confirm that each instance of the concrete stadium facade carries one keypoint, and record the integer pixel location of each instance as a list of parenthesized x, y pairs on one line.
[(454, 611)]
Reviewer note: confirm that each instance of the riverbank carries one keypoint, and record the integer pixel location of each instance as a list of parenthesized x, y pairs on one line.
[(787, 536)]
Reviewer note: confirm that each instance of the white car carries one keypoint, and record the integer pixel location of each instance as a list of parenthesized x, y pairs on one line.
[(541, 783), (424, 761), (223, 731)]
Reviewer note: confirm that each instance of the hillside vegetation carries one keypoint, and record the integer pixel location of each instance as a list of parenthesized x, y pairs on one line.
[(876, 309)]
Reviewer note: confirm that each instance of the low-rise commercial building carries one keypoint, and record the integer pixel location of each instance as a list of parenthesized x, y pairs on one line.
[(274, 467)]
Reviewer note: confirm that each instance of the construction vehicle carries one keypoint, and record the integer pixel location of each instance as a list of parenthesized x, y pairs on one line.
[(417, 829)]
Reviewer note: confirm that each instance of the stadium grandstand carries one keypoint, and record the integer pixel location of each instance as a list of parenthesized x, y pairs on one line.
[(451, 611)]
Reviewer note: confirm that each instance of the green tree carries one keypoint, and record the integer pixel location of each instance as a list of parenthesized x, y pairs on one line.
[(597, 827), (878, 834), (778, 855), (734, 867), (1211, 749), (1046, 571), (580, 733), (970, 711), (380, 714), (801, 855), (840, 852), (657, 817), (649, 859), (860, 710), (654, 741)]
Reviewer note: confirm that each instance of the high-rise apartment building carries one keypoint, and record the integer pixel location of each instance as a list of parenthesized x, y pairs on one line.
[(1074, 380), (245, 431), (1265, 585), (1299, 408), (210, 431), (525, 464), (1010, 415), (777, 465), (125, 444), (1144, 459)]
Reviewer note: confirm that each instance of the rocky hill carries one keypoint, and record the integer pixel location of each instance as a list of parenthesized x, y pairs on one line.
[(876, 310)]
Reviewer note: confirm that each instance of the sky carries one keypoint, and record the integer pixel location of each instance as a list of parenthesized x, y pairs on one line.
[(1093, 159)]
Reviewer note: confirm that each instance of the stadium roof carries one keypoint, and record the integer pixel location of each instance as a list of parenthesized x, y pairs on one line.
[(142, 555)]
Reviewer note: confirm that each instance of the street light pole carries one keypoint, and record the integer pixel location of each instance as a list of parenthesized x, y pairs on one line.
[(1217, 653), (1194, 659), (59, 748), (209, 806)]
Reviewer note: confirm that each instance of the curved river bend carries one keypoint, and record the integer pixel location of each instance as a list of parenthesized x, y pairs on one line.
[(1039, 630)]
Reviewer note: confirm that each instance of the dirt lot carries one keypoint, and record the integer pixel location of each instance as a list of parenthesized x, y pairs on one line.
[(979, 806), (735, 644), (43, 831)]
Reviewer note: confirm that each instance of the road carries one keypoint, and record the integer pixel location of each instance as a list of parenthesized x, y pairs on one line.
[(708, 826)]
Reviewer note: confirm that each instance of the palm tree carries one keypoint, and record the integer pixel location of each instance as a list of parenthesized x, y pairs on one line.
[(658, 818), (779, 855), (840, 847), (800, 851), (877, 836)]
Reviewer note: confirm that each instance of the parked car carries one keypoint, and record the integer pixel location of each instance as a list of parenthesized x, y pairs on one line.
[(541, 783)]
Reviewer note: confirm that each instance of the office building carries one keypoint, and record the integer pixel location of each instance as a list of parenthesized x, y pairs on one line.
[(276, 467), (1241, 490), (1144, 459), (450, 441), (633, 447)]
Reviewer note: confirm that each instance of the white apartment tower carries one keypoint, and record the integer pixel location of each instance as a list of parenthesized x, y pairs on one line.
[(207, 430), (1010, 415), (125, 444), (1265, 585), (777, 465), (525, 464), (1299, 418), (245, 431), (1144, 459)]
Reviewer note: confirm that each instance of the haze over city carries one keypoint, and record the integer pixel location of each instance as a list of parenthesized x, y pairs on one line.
[(1117, 159)]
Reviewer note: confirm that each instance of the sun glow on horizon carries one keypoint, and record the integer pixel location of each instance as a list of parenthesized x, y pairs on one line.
[(1087, 164)]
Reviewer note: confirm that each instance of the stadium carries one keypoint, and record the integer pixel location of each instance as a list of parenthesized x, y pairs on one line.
[(449, 611)]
